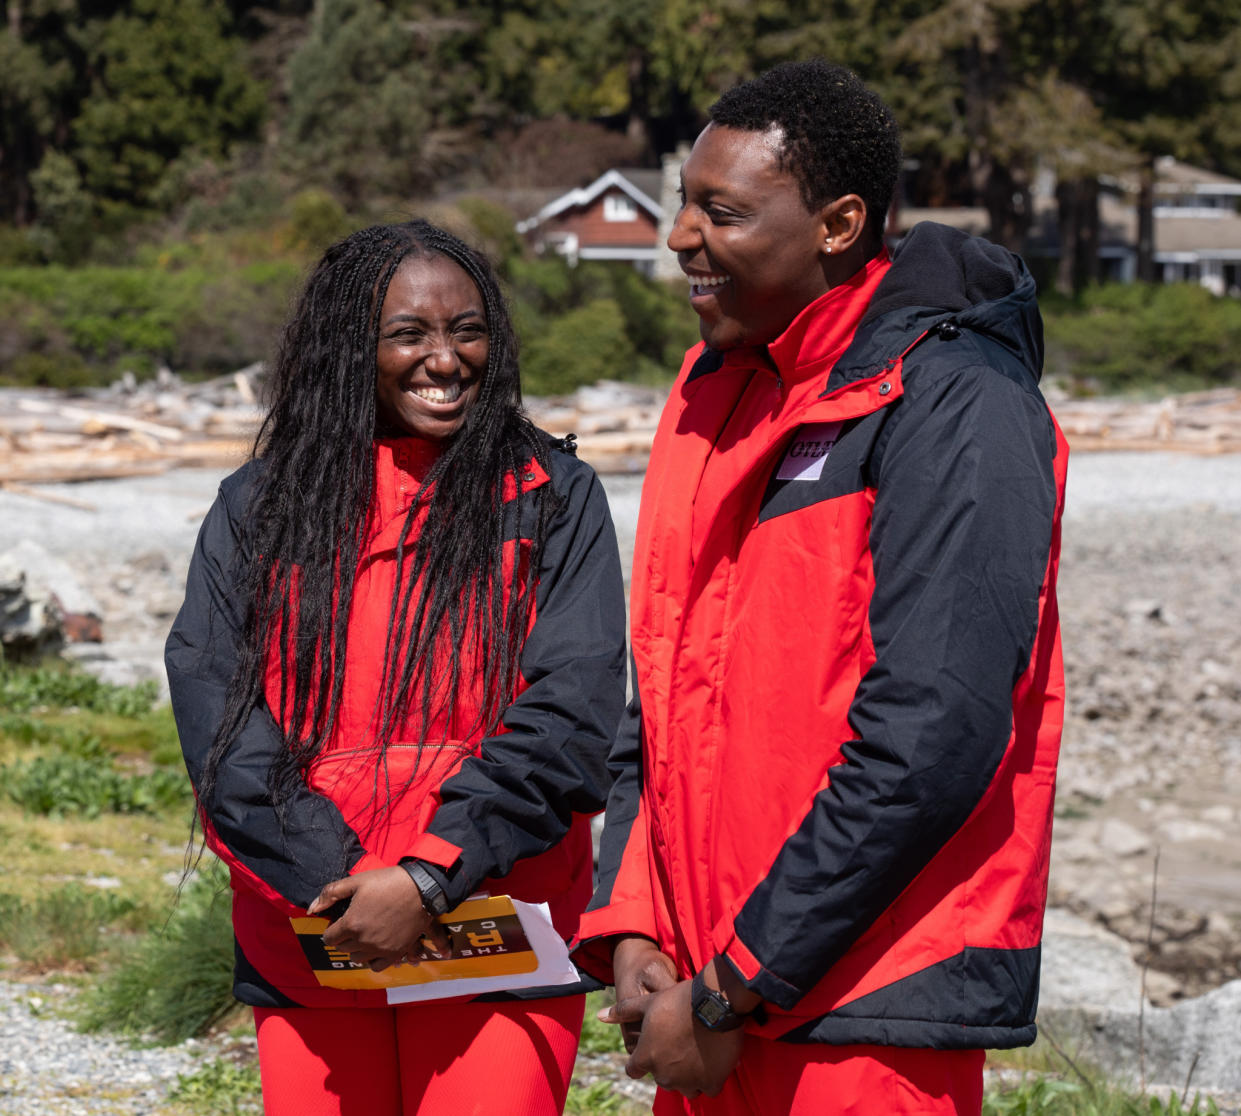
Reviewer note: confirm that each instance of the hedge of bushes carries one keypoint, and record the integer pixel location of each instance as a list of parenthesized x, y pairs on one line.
[(1142, 337), (214, 302), (200, 311)]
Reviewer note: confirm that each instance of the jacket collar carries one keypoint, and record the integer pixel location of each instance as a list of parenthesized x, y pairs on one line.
[(401, 467), (821, 331)]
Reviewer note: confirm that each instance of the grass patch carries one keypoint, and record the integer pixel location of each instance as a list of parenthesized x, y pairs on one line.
[(1053, 1096), (141, 856), (1045, 1080), (61, 929), (176, 981), (598, 1099), (599, 1038)]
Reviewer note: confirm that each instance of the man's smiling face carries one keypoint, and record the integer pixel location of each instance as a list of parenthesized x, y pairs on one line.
[(752, 251)]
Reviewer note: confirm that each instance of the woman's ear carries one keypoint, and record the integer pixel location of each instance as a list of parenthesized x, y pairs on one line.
[(844, 224)]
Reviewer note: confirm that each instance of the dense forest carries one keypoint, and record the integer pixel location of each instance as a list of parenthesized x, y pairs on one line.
[(207, 147)]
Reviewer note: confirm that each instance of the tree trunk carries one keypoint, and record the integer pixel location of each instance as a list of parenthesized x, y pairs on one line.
[(638, 124), (1077, 202), (1007, 198), (1088, 263), (1067, 213), (1146, 221)]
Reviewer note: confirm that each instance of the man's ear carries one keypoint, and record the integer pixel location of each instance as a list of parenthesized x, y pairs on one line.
[(844, 224)]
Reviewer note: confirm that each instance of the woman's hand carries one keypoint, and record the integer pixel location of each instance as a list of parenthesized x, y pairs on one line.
[(384, 920)]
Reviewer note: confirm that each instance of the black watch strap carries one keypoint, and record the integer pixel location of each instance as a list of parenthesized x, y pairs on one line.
[(711, 1008), (433, 897)]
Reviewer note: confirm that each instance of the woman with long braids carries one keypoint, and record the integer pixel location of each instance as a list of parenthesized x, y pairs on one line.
[(396, 676)]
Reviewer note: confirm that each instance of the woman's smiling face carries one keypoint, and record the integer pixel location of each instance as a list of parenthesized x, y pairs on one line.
[(752, 251), (432, 351)]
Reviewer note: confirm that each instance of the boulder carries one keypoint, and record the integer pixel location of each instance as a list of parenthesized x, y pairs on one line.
[(1091, 1006), (29, 618)]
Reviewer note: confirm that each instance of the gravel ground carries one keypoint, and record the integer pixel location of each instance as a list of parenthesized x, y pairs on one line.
[(1151, 605), (46, 1067)]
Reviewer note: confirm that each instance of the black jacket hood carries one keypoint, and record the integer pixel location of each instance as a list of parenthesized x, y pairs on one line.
[(940, 274)]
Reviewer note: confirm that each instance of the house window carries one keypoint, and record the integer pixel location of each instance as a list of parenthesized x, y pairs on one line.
[(617, 207)]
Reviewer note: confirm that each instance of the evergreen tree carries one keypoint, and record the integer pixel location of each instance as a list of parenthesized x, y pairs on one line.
[(166, 81)]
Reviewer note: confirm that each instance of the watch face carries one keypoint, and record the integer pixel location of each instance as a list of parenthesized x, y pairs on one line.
[(711, 1011)]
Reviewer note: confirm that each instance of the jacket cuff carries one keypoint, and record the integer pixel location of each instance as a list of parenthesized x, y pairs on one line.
[(367, 862), (597, 931), (442, 859), (434, 850), (750, 969)]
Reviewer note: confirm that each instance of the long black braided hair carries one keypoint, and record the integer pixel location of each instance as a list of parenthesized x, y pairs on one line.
[(307, 519)]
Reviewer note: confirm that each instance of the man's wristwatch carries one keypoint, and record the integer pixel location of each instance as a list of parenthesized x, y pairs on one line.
[(711, 1008), (433, 897)]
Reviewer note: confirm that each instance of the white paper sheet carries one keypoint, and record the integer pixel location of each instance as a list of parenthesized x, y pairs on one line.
[(554, 965)]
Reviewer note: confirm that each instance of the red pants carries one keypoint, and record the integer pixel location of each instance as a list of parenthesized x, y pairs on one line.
[(430, 1059), (788, 1079)]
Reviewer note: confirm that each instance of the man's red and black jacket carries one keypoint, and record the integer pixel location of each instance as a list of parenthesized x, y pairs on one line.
[(838, 770)]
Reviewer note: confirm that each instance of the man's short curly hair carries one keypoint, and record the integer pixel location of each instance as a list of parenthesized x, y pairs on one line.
[(839, 137)]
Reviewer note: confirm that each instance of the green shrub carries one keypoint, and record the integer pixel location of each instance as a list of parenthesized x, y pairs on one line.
[(219, 1087), (60, 928), (176, 982), (317, 219), (580, 347), (1133, 336), (66, 225), (65, 326), (595, 321), (236, 319)]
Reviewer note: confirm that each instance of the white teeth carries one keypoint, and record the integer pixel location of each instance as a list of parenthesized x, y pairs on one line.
[(449, 394), (700, 283)]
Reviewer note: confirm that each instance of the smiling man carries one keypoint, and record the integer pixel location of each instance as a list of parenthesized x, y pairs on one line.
[(824, 870)]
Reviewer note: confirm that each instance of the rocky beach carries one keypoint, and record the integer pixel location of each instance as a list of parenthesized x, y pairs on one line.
[(1149, 797)]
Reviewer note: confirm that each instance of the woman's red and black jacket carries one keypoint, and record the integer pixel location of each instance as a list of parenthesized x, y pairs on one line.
[(507, 812)]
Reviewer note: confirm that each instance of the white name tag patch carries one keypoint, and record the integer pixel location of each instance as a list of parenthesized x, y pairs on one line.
[(803, 460)]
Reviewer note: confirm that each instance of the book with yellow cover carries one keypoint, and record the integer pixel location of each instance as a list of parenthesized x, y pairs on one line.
[(487, 940)]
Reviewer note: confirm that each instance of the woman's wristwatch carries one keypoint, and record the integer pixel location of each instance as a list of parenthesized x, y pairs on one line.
[(433, 897)]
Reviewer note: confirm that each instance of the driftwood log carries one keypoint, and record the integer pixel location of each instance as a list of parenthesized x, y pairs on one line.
[(136, 429)]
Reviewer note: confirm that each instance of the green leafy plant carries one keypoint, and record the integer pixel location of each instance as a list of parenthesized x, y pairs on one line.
[(222, 1086), (1144, 337), (1049, 1095), (83, 779), (599, 1099), (57, 687)]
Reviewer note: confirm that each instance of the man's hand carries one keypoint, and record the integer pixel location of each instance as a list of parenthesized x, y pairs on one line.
[(639, 968), (384, 921), (677, 1051)]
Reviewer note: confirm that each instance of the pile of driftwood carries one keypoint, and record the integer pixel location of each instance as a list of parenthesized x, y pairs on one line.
[(1199, 422), (126, 430), (135, 428)]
